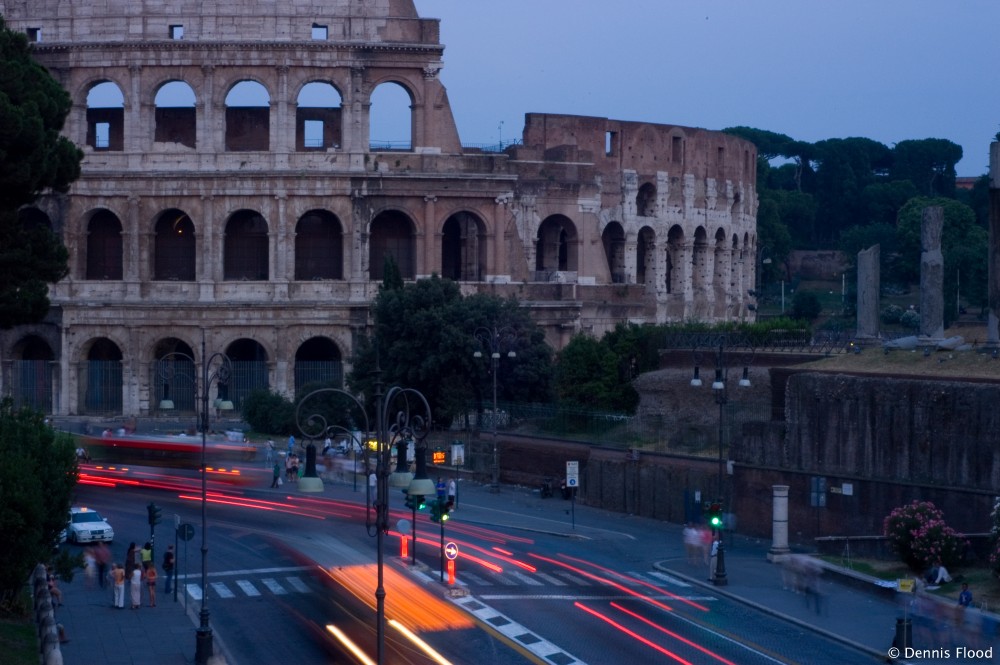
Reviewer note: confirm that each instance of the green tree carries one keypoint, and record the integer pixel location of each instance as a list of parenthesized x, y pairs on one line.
[(882, 201), (38, 472), (928, 163), (846, 168), (587, 375), (269, 412), (806, 306), (33, 158)]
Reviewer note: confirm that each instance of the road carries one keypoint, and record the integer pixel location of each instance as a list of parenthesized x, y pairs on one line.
[(284, 566)]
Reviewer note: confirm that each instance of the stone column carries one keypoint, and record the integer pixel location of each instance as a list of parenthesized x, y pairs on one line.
[(779, 524), (496, 269), (931, 274), (427, 261), (993, 281), (130, 249), (868, 292)]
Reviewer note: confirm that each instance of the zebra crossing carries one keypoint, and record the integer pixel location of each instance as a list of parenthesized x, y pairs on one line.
[(260, 583)]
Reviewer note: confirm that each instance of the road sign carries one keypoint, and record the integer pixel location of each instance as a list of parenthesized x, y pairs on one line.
[(451, 551), (403, 526), (572, 474), (185, 532)]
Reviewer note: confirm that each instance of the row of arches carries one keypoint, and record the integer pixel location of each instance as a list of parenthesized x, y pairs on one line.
[(319, 120), (31, 376), (319, 246)]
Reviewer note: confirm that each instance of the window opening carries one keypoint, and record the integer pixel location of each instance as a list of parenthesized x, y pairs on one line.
[(677, 149), (177, 32), (391, 118), (102, 135), (34, 35), (248, 117), (106, 117), (317, 117), (175, 115), (610, 143), (313, 132), (319, 32)]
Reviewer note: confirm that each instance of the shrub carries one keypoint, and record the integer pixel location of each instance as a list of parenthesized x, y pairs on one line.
[(891, 314), (806, 305), (917, 532), (910, 319), (268, 412)]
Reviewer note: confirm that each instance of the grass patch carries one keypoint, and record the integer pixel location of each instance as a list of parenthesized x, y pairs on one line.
[(17, 642)]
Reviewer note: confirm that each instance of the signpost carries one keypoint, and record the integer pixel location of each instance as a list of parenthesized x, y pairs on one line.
[(572, 482), (451, 553)]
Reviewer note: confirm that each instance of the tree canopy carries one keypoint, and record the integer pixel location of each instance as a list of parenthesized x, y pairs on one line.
[(37, 475), (33, 158)]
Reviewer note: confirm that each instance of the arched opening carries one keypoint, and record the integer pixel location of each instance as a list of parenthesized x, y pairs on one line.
[(33, 218), (174, 376), (319, 246), (391, 236), (555, 248), (31, 374), (317, 118), (175, 116), (391, 118), (720, 276), (249, 363), (245, 256), (248, 117), (106, 117), (645, 260), (174, 247), (463, 248), (645, 200), (613, 239), (675, 245), (104, 246), (699, 263), (318, 365), (101, 382)]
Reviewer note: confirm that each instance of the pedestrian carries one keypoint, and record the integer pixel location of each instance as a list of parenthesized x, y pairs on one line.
[(452, 493), (89, 565), (168, 568), (276, 482), (54, 590), (714, 560), (269, 453), (135, 587), (441, 488), (291, 443), (103, 556), (372, 488), (965, 597), (288, 467), (151, 576), (118, 578), (692, 543), (130, 561), (146, 555)]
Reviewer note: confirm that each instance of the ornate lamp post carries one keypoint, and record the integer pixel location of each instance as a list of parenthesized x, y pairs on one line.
[(217, 369), (720, 392), (401, 415), (494, 340)]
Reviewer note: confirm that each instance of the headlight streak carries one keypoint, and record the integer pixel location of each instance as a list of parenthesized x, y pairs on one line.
[(659, 590), (351, 646), (621, 587), (423, 646), (672, 634), (492, 567), (631, 633)]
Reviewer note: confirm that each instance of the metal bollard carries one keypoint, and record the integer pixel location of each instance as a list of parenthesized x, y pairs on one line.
[(904, 634)]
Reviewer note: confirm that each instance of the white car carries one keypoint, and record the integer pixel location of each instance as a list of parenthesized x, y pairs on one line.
[(87, 526)]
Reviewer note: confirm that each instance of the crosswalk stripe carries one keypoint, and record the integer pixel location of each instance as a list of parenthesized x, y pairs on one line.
[(551, 580), (502, 579), (247, 587), (297, 584), (524, 578), (475, 579), (669, 579), (572, 578), (273, 586), (193, 590), (222, 590)]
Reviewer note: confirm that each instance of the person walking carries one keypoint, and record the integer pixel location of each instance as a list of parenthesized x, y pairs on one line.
[(135, 587), (118, 579), (146, 555), (453, 494), (276, 481), (130, 561), (102, 555), (151, 576), (168, 568)]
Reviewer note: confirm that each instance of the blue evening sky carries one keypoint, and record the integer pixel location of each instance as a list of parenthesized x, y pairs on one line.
[(888, 70)]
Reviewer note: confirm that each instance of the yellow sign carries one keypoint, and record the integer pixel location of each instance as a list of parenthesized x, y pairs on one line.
[(438, 457), (905, 585)]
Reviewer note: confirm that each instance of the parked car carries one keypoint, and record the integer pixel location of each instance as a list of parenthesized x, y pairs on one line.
[(87, 526)]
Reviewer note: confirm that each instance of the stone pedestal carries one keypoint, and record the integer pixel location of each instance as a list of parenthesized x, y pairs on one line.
[(779, 524)]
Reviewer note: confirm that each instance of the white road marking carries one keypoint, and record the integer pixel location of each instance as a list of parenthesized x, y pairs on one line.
[(297, 584), (222, 590), (273, 586), (247, 587)]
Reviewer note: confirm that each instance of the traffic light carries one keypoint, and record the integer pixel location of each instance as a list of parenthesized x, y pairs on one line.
[(715, 516), (154, 513), (414, 502), (440, 510)]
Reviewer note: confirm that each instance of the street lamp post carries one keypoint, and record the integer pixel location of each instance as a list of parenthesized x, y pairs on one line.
[(494, 339), (217, 369), (720, 392), (401, 415)]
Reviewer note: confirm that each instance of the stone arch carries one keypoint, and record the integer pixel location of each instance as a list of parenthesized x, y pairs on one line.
[(248, 117), (463, 247), (174, 247), (249, 360), (699, 262), (31, 373), (245, 252), (101, 381), (391, 234), (318, 117), (645, 200), (645, 260), (105, 254), (613, 239), (174, 375), (318, 361), (319, 246), (556, 249), (390, 116), (105, 116), (175, 115), (675, 248)]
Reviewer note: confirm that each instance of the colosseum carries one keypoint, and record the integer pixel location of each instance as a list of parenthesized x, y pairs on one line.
[(235, 190)]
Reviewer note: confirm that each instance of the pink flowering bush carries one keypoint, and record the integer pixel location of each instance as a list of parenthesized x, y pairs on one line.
[(917, 532)]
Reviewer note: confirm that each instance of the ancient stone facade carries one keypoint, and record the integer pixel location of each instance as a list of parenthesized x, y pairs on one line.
[(234, 190)]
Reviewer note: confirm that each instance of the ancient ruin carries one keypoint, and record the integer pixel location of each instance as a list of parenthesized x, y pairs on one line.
[(234, 185)]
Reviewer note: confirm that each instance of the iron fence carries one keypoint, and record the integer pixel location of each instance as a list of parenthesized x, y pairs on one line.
[(100, 386), (327, 373)]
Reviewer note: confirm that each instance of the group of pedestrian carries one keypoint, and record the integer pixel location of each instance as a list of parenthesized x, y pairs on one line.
[(138, 571)]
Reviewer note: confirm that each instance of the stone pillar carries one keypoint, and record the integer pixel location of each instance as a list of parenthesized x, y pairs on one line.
[(779, 524), (993, 281), (868, 292), (427, 259), (931, 274)]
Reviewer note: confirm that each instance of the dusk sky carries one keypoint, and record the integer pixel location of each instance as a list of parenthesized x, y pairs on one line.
[(888, 70)]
